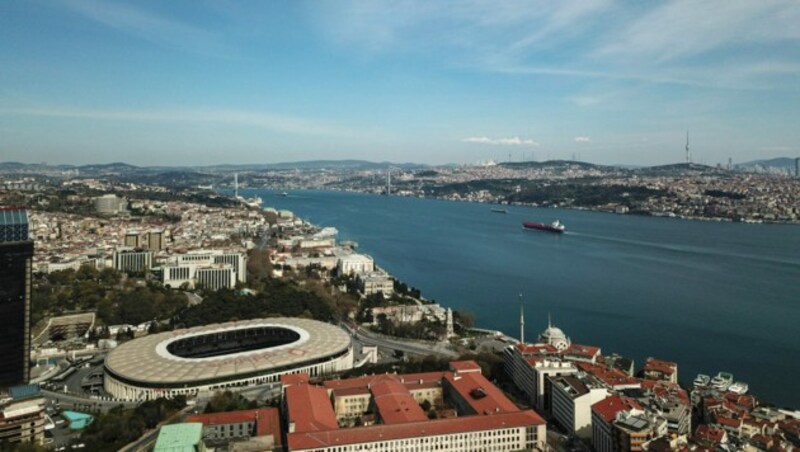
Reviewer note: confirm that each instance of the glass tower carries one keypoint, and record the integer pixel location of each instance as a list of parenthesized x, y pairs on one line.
[(16, 255)]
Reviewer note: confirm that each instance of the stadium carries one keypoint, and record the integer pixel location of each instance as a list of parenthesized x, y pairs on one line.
[(224, 356)]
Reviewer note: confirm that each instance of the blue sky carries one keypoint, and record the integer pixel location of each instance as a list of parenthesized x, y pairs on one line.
[(205, 82)]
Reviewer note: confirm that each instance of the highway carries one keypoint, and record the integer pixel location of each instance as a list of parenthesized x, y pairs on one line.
[(405, 347)]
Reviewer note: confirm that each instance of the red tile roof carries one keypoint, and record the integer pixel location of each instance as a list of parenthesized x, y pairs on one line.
[(310, 408), (484, 397), (312, 440), (614, 378), (267, 420), (706, 434), (465, 366), (536, 349), (395, 404), (294, 379), (583, 351), (608, 408), (370, 380), (660, 366)]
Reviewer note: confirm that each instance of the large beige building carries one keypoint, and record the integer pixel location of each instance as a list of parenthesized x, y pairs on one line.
[(466, 413)]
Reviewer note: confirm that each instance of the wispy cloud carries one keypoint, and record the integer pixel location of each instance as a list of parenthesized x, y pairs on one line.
[(582, 139), (275, 122), (511, 141), (651, 43), (150, 26), (683, 29)]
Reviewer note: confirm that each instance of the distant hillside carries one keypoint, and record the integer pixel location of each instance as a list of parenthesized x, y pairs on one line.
[(780, 165), (676, 169), (125, 168), (552, 164), (323, 164)]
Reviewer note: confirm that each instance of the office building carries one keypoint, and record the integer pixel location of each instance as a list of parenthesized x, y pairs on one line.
[(16, 255), (215, 277), (22, 416), (110, 204), (155, 240), (133, 239), (133, 261), (572, 401), (529, 366)]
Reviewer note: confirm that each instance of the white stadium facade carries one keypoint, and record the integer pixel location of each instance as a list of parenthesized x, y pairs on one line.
[(224, 356)]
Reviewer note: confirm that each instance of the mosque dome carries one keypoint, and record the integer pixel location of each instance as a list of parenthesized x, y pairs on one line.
[(555, 337)]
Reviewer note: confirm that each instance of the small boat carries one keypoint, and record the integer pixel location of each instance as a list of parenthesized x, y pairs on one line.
[(722, 381), (284, 194), (702, 380), (555, 226), (739, 387), (499, 210)]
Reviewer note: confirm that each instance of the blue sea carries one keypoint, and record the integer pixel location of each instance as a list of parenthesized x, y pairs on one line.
[(711, 296)]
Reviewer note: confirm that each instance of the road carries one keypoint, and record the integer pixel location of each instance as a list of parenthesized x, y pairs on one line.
[(405, 347)]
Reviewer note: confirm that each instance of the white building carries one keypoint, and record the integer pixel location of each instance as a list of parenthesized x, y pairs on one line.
[(350, 264), (531, 374), (110, 204), (132, 260), (208, 257), (375, 282), (572, 402), (219, 276)]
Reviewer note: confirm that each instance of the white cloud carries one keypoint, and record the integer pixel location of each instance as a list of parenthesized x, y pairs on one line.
[(582, 139), (511, 141)]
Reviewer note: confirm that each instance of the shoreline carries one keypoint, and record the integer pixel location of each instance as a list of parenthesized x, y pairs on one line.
[(475, 328), (669, 215)]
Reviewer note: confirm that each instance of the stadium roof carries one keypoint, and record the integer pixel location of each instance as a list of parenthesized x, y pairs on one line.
[(147, 362)]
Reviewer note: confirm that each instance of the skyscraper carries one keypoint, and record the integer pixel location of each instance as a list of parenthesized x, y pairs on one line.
[(16, 255)]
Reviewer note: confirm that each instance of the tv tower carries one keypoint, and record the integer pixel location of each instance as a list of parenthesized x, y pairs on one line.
[(688, 156), (521, 321)]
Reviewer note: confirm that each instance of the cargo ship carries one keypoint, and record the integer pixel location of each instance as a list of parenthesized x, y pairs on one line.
[(555, 226)]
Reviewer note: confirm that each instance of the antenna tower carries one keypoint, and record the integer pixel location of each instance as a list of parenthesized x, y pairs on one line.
[(688, 156)]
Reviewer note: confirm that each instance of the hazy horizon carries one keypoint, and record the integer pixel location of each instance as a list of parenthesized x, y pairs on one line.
[(206, 83)]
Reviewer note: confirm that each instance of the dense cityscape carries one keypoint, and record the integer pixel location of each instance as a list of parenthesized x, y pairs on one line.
[(378, 367), (412, 226)]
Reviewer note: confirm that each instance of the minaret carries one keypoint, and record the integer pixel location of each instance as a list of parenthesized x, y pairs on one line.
[(521, 321), (236, 185), (688, 156), (388, 182)]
